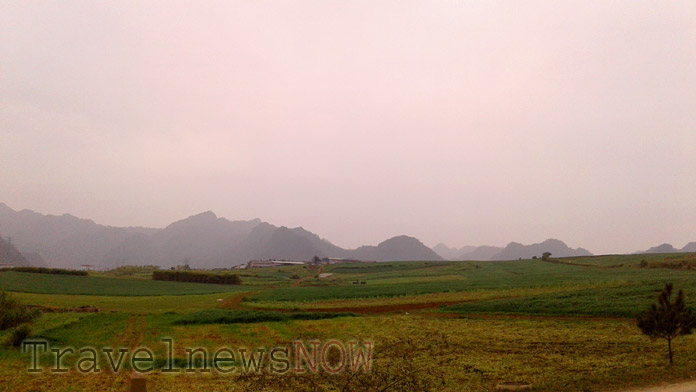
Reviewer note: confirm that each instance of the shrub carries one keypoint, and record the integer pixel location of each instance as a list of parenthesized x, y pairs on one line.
[(131, 270), (13, 313), (18, 335)]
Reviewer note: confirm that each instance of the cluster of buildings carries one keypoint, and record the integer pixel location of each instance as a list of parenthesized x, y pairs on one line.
[(279, 263)]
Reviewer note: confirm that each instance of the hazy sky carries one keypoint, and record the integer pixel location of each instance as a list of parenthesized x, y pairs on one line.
[(464, 122)]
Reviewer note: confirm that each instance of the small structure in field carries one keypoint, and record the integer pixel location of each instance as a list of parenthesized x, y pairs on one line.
[(272, 263), (336, 260), (86, 267)]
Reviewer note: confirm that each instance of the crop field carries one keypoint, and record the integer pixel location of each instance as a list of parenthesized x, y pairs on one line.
[(97, 285), (447, 326)]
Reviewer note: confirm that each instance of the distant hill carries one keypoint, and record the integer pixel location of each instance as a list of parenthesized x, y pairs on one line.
[(664, 248), (512, 251), (668, 248), (690, 247), (401, 248), (10, 255), (448, 253), (557, 248), (480, 253), (203, 241)]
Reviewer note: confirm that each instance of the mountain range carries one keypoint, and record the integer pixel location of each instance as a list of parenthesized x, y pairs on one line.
[(512, 251), (668, 248), (202, 241), (208, 241)]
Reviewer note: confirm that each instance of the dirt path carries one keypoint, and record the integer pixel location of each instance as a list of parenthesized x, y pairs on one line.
[(688, 386), (298, 282), (134, 333), (233, 302)]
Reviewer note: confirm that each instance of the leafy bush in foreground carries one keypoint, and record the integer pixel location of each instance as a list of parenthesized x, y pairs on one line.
[(13, 313), (18, 335)]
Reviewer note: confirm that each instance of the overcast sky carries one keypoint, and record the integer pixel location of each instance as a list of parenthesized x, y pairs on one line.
[(464, 122)]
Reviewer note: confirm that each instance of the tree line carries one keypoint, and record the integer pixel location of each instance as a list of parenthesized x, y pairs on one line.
[(52, 271), (196, 277)]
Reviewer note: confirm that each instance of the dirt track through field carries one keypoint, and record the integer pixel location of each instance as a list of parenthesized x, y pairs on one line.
[(134, 333), (234, 301), (298, 282)]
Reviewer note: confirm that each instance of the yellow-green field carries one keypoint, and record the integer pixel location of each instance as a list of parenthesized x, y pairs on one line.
[(460, 326)]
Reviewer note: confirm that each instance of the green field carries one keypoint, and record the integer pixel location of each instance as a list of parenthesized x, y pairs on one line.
[(419, 278), (436, 326), (98, 285)]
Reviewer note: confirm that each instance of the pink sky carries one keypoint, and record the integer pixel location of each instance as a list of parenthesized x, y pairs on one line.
[(473, 122)]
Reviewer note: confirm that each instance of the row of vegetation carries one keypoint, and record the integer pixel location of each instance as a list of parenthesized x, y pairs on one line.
[(51, 271), (132, 270), (16, 316), (196, 277), (219, 316)]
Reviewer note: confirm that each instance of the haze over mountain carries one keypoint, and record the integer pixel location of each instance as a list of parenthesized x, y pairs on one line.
[(512, 251), (469, 252), (448, 253), (208, 241), (668, 248), (556, 247), (10, 255), (203, 240), (396, 248)]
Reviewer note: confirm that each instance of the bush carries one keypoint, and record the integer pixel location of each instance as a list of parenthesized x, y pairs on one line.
[(131, 270), (196, 277), (296, 276), (13, 313), (18, 335)]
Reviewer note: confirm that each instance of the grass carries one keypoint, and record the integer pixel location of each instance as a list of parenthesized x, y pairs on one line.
[(512, 321), (470, 276), (621, 301), (130, 304), (95, 285), (438, 353)]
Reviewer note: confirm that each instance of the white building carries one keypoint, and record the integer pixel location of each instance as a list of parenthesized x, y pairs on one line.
[(272, 263)]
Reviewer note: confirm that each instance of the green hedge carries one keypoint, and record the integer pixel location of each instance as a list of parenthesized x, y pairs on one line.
[(51, 271), (196, 277)]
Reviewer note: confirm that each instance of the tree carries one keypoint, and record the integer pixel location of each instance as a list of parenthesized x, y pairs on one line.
[(667, 320), (546, 256)]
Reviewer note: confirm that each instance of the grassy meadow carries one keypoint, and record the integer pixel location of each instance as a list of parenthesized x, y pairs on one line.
[(567, 325)]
